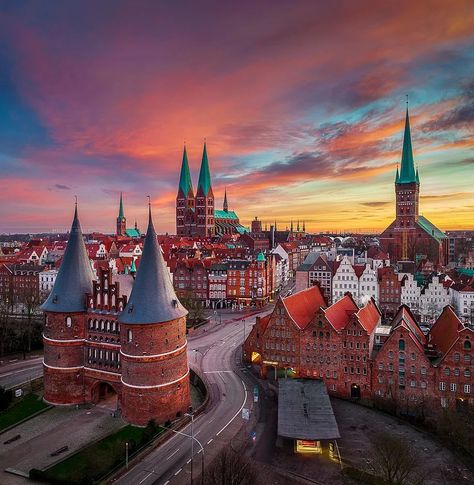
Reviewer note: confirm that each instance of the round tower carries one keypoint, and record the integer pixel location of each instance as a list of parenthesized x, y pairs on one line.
[(155, 372), (65, 312)]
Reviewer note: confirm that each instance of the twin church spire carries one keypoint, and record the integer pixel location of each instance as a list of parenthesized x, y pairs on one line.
[(204, 187)]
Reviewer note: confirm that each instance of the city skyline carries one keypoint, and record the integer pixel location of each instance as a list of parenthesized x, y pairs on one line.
[(99, 100)]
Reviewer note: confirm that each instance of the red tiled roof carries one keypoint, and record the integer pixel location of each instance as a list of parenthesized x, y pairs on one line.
[(445, 330), (302, 306), (340, 312), (405, 316), (369, 316)]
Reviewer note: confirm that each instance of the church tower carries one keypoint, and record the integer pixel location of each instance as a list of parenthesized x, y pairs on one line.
[(185, 200), (121, 221), (155, 372), (407, 185), (205, 200), (64, 332)]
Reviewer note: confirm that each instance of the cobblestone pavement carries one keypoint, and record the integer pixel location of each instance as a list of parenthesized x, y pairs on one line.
[(50, 431)]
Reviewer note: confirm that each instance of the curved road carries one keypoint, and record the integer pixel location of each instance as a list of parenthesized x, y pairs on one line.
[(212, 354)]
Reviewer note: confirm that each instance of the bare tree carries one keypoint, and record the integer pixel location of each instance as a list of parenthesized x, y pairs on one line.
[(193, 305), (231, 468), (394, 460)]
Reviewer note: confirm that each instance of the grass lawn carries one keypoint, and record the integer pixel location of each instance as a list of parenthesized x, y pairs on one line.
[(98, 459), (30, 404)]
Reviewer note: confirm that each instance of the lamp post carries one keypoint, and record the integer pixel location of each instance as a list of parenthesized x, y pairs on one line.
[(190, 415)]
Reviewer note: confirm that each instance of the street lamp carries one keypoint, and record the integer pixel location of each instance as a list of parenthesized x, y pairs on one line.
[(191, 415)]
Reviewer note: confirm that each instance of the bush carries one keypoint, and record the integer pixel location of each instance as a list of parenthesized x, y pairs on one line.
[(361, 476), (6, 397)]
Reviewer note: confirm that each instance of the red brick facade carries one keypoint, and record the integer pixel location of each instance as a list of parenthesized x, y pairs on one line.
[(146, 365), (408, 373)]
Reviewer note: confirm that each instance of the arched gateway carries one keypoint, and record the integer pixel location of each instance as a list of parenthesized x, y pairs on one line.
[(99, 347)]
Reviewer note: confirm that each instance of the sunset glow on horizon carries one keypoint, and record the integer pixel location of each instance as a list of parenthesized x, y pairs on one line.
[(302, 106)]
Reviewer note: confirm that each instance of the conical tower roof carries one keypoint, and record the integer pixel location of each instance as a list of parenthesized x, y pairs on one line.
[(152, 299), (75, 275), (185, 183), (407, 169), (204, 183)]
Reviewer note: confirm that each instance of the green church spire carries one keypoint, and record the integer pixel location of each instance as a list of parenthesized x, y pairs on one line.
[(120, 215), (185, 184), (407, 170), (204, 174)]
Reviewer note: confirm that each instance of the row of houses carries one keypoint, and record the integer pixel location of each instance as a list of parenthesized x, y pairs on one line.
[(395, 366), (426, 294)]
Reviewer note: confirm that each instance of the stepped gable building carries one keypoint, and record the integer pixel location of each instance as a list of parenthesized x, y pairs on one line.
[(196, 214), (122, 223), (96, 343), (406, 372), (411, 234)]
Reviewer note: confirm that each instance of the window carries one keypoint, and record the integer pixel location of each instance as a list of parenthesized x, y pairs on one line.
[(442, 386), (401, 344), (467, 345), (129, 335), (453, 387), (467, 373), (467, 388), (444, 402), (68, 321), (446, 371)]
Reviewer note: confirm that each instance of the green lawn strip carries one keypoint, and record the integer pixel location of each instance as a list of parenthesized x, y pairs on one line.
[(28, 406), (96, 460)]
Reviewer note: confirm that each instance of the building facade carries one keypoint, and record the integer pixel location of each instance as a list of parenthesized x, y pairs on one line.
[(410, 234), (97, 343)]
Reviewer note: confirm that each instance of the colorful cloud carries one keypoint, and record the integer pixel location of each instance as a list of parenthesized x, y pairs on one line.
[(302, 106)]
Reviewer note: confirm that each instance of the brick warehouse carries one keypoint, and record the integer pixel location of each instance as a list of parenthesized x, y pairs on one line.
[(396, 367), (96, 342)]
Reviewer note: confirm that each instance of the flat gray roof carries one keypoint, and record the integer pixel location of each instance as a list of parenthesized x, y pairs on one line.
[(305, 411)]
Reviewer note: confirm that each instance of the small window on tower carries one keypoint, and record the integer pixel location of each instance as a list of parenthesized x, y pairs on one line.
[(129, 335), (68, 321)]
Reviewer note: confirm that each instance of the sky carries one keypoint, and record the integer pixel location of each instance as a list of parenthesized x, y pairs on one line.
[(302, 105)]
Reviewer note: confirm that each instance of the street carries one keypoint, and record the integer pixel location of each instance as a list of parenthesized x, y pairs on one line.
[(212, 354), (16, 372)]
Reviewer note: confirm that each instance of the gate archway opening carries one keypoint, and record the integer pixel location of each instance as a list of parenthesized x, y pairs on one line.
[(104, 395)]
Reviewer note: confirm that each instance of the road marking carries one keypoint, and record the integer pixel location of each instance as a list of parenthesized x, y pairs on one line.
[(151, 473), (188, 462), (19, 372), (209, 442), (166, 483), (172, 454), (211, 420), (238, 412), (217, 371), (199, 451), (178, 472)]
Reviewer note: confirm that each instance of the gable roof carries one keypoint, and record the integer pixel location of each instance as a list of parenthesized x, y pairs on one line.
[(302, 306), (445, 330), (369, 316), (339, 313), (405, 317)]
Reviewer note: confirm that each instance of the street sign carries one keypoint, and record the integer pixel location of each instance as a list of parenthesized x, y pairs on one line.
[(246, 414)]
